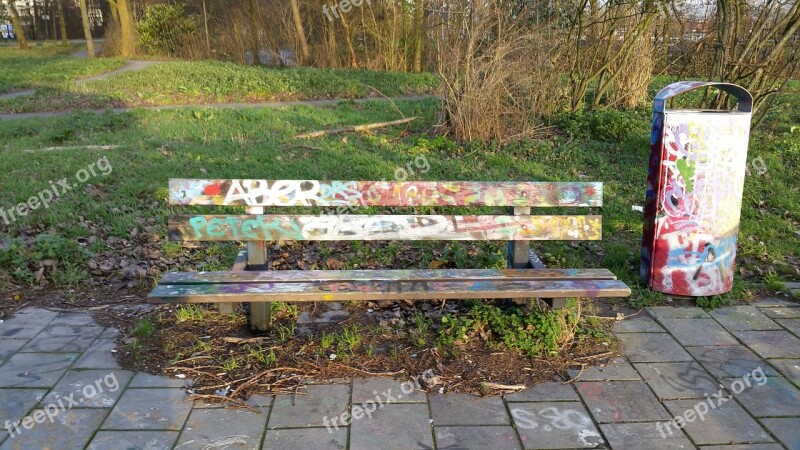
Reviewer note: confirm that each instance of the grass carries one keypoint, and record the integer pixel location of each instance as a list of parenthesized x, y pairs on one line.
[(259, 143), (47, 66), (198, 82)]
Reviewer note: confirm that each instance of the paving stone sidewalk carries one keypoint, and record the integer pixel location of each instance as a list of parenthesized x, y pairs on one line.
[(732, 375)]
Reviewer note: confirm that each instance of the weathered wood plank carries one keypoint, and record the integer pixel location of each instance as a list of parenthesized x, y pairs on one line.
[(383, 193), (383, 227), (294, 276), (384, 290)]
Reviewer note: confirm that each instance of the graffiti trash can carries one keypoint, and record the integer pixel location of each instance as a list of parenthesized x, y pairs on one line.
[(694, 193)]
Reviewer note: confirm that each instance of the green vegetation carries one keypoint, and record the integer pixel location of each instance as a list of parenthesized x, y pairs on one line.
[(196, 82), (152, 146), (47, 66), (536, 332), (186, 313), (144, 329)]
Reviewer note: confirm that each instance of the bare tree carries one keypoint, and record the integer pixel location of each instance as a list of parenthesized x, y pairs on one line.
[(301, 34), (62, 22), (17, 24), (87, 29)]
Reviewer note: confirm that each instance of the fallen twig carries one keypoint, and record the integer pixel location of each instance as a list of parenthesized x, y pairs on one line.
[(599, 355), (502, 387), (366, 127), (575, 378), (377, 374), (86, 147), (220, 398)]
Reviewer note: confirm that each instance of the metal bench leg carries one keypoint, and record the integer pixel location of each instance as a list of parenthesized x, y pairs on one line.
[(518, 250), (257, 260), (556, 303)]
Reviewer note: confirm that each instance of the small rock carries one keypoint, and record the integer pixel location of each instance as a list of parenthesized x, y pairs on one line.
[(333, 356)]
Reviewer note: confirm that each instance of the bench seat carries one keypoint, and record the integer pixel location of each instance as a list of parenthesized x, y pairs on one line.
[(251, 282), (347, 285)]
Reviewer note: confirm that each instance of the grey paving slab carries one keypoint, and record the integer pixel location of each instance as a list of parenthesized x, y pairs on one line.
[(618, 369), (790, 368), (771, 344), (678, 380), (91, 388), (149, 409), (477, 438), (773, 302), (3, 436), (72, 338), (399, 426), (17, 403), (27, 323), (223, 428), (781, 313), (745, 317), (133, 440), (621, 401), (786, 430), (652, 347), (660, 312), (644, 435), (792, 325), (110, 333), (10, 346), (722, 424), (638, 324), (545, 392), (320, 403), (306, 438), (146, 380), (71, 429), (695, 332), (35, 369), (555, 425), (745, 447), (381, 389), (75, 319), (99, 356), (466, 409), (730, 361), (775, 397), (254, 400)]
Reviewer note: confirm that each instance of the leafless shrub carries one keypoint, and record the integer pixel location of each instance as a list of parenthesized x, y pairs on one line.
[(499, 79)]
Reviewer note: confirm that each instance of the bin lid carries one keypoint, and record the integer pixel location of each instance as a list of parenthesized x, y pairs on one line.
[(744, 98)]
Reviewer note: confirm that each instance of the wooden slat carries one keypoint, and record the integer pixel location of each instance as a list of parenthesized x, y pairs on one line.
[(293, 276), (382, 193), (383, 227), (384, 290)]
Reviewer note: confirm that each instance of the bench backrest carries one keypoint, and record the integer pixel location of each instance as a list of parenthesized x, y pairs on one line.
[(257, 194)]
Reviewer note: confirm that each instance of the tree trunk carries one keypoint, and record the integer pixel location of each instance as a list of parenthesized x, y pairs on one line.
[(127, 46), (205, 25), (114, 11), (34, 20), (87, 29), (333, 54), (62, 22), (254, 32), (16, 23), (349, 41), (419, 24), (301, 34)]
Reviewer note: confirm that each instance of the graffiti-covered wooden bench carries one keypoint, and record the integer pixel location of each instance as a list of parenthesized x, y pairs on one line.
[(251, 282)]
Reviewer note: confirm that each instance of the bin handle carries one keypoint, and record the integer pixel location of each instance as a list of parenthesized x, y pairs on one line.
[(745, 98)]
